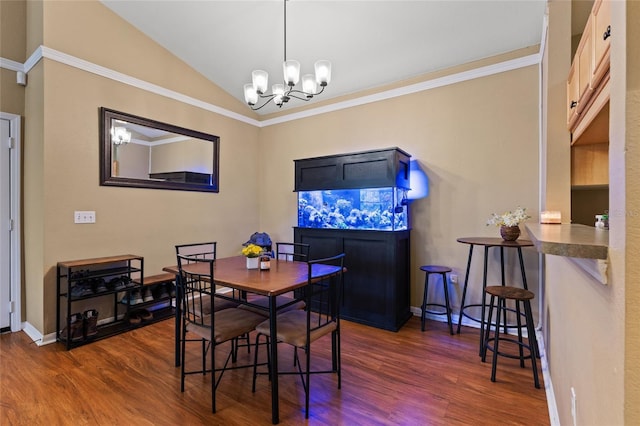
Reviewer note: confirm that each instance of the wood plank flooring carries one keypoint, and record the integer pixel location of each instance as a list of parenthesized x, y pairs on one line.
[(405, 378)]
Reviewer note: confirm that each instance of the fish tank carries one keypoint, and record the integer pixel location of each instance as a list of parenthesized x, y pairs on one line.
[(377, 209)]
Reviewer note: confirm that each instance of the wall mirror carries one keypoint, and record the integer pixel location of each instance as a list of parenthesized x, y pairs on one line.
[(143, 153)]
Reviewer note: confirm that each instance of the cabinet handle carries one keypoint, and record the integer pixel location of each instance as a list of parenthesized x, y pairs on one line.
[(607, 33), (573, 104)]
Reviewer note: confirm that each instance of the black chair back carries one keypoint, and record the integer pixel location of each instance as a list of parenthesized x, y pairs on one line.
[(196, 289), (292, 251)]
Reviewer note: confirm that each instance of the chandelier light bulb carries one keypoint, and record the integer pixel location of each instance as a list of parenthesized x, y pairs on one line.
[(278, 91), (250, 94), (260, 81), (323, 72), (291, 69), (309, 85)]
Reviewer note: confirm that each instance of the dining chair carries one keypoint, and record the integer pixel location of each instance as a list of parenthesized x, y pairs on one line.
[(207, 250), (210, 330), (292, 251), (300, 328)]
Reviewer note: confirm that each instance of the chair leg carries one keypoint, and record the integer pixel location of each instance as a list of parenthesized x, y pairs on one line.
[(519, 325), (182, 352), (532, 341), (446, 301), (485, 337), (494, 362), (424, 300), (308, 384), (255, 363)]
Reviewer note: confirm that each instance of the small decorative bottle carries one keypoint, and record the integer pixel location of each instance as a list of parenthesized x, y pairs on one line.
[(265, 262)]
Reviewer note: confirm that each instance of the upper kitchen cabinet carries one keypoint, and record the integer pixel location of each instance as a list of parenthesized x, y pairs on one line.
[(587, 82)]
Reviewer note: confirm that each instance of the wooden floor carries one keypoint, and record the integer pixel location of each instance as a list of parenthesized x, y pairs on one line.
[(404, 378)]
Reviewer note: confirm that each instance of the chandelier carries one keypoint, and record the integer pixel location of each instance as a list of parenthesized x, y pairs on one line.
[(256, 91)]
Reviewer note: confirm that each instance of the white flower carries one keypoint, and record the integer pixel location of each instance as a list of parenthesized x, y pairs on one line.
[(509, 218)]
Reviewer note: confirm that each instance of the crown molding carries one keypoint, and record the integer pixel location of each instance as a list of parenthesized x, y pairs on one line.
[(11, 65), (55, 55), (485, 71)]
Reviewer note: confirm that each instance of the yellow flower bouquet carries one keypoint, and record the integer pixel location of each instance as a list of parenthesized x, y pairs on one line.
[(252, 250)]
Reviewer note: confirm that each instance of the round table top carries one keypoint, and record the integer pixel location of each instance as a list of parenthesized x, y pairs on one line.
[(494, 242)]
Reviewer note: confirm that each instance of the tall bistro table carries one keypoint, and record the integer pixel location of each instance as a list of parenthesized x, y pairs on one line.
[(487, 243), (283, 277)]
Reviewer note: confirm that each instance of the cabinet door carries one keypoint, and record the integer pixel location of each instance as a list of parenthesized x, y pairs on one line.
[(584, 59), (572, 96), (601, 39)]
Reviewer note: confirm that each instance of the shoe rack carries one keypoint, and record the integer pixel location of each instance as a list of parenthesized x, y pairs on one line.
[(86, 286)]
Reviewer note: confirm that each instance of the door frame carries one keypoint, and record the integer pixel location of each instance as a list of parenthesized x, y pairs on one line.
[(16, 214)]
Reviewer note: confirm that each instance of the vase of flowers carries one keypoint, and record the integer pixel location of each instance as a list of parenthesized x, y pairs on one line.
[(509, 223), (252, 252)]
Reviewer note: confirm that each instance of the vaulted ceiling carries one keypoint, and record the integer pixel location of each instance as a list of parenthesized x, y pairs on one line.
[(370, 43)]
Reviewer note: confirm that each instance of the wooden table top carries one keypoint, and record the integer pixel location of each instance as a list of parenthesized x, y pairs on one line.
[(494, 242), (281, 278)]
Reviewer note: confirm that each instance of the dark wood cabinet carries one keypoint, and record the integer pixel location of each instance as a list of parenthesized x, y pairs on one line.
[(376, 285), (369, 169)]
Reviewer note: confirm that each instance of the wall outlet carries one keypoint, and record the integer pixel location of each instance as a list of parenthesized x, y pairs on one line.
[(84, 217), (573, 406), (453, 278)]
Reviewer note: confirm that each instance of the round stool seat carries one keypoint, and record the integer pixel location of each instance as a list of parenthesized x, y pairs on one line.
[(441, 270), (511, 293), (435, 269)]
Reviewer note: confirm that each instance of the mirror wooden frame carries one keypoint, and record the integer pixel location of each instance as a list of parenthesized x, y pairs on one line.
[(106, 161)]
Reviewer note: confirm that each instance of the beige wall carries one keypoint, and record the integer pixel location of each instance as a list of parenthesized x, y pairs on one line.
[(477, 141), (12, 46), (62, 153), (629, 154)]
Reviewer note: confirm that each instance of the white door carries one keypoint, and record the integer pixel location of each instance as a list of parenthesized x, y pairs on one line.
[(10, 247), (5, 218)]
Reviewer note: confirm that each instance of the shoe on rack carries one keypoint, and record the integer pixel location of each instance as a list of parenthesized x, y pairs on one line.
[(128, 281), (144, 314), (90, 323), (135, 297), (76, 327), (135, 318), (162, 292), (147, 296), (117, 284), (81, 289), (100, 285)]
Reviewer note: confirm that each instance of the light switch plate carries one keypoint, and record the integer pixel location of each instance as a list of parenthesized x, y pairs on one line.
[(84, 216)]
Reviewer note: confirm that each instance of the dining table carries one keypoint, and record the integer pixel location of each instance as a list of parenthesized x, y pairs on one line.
[(232, 272)]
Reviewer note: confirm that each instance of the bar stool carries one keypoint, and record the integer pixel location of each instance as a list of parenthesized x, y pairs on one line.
[(520, 296), (442, 270)]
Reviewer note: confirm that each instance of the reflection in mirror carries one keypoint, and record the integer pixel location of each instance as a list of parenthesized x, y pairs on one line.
[(138, 152)]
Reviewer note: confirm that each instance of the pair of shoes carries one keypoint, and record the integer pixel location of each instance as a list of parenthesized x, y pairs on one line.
[(161, 292), (147, 295), (81, 289), (132, 298), (139, 315), (90, 318), (82, 326), (117, 284), (100, 285), (75, 332)]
